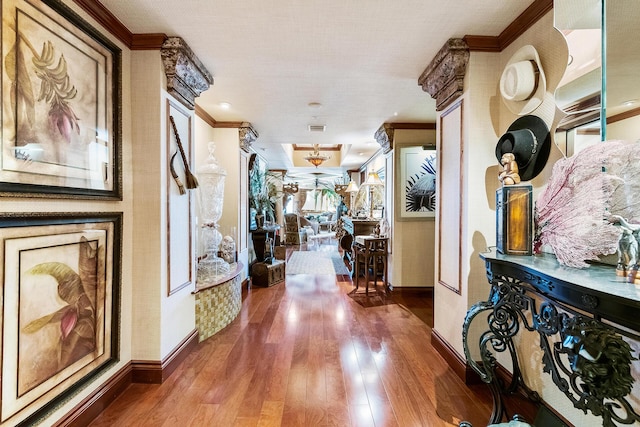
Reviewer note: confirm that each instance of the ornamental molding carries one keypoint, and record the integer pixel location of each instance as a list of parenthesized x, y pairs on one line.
[(443, 78), (187, 77), (248, 136), (384, 137)]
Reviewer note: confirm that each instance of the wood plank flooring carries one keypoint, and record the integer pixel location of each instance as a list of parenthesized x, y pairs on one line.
[(308, 352)]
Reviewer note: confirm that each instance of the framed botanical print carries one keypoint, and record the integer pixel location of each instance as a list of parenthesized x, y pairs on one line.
[(60, 110), (61, 299)]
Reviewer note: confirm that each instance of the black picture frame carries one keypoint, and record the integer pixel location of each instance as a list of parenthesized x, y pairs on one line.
[(61, 297), (61, 105)]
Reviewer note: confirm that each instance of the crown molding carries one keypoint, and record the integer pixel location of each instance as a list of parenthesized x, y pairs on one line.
[(522, 23), (413, 126), (476, 43), (228, 124), (151, 41), (200, 112), (623, 116), (107, 19)]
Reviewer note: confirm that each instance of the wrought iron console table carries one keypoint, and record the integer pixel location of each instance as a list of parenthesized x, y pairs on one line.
[(580, 317)]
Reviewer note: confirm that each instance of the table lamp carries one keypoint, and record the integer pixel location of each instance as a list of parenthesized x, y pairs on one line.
[(372, 181), (352, 189)]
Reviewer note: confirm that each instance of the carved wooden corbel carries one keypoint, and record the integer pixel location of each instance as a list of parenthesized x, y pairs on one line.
[(187, 77), (443, 78), (248, 135), (384, 137)]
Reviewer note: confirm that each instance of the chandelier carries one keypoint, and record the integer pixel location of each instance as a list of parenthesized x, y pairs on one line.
[(315, 158)]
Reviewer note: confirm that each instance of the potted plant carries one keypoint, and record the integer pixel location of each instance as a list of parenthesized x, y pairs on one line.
[(263, 194)]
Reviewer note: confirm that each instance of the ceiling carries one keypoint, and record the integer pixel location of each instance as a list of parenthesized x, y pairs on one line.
[(273, 60)]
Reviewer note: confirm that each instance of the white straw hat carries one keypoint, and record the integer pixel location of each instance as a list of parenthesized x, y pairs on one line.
[(522, 84)]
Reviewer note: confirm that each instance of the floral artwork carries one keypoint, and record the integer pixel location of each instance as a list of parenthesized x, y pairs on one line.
[(573, 214), (55, 89), (74, 322), (59, 126), (60, 302)]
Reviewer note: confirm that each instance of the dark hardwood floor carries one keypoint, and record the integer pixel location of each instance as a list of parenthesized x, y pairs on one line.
[(308, 352)]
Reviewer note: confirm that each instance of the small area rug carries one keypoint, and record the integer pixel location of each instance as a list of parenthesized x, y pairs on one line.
[(316, 262)]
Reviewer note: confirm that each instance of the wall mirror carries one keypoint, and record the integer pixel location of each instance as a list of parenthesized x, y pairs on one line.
[(600, 50), (579, 93)]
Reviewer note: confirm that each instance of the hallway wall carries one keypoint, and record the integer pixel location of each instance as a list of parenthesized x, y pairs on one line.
[(413, 244)]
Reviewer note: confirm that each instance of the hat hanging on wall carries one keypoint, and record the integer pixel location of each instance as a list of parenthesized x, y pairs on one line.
[(528, 138), (522, 84)]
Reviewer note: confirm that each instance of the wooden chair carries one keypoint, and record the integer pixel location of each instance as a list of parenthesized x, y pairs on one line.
[(294, 234), (371, 259)]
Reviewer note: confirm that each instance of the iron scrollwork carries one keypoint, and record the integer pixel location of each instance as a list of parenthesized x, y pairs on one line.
[(587, 360)]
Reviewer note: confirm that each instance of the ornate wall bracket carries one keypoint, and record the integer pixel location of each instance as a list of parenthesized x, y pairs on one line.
[(384, 137), (588, 360), (443, 78), (248, 136), (187, 77)]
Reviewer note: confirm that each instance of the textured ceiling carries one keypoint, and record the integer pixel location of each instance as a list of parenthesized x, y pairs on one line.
[(360, 59)]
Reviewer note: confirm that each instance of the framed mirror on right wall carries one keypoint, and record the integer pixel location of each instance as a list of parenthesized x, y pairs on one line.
[(599, 91)]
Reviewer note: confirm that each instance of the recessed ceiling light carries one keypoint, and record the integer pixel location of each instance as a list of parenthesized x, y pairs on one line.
[(630, 102), (395, 113), (225, 105), (361, 154)]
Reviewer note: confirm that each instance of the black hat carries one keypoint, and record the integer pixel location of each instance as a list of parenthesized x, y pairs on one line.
[(528, 138)]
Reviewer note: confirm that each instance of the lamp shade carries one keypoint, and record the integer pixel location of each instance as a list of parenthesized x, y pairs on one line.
[(373, 179), (352, 187)]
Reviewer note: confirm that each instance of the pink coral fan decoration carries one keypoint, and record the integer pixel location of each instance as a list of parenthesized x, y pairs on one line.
[(583, 192)]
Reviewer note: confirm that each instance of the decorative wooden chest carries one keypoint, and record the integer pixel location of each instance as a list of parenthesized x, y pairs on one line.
[(265, 275), (280, 252), (514, 219)]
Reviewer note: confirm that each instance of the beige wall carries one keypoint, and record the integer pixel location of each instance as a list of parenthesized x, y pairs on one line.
[(412, 244), (485, 119), (627, 130), (162, 321)]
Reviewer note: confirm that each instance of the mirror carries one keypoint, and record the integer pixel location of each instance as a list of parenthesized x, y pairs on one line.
[(622, 70), (579, 92), (590, 40)]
